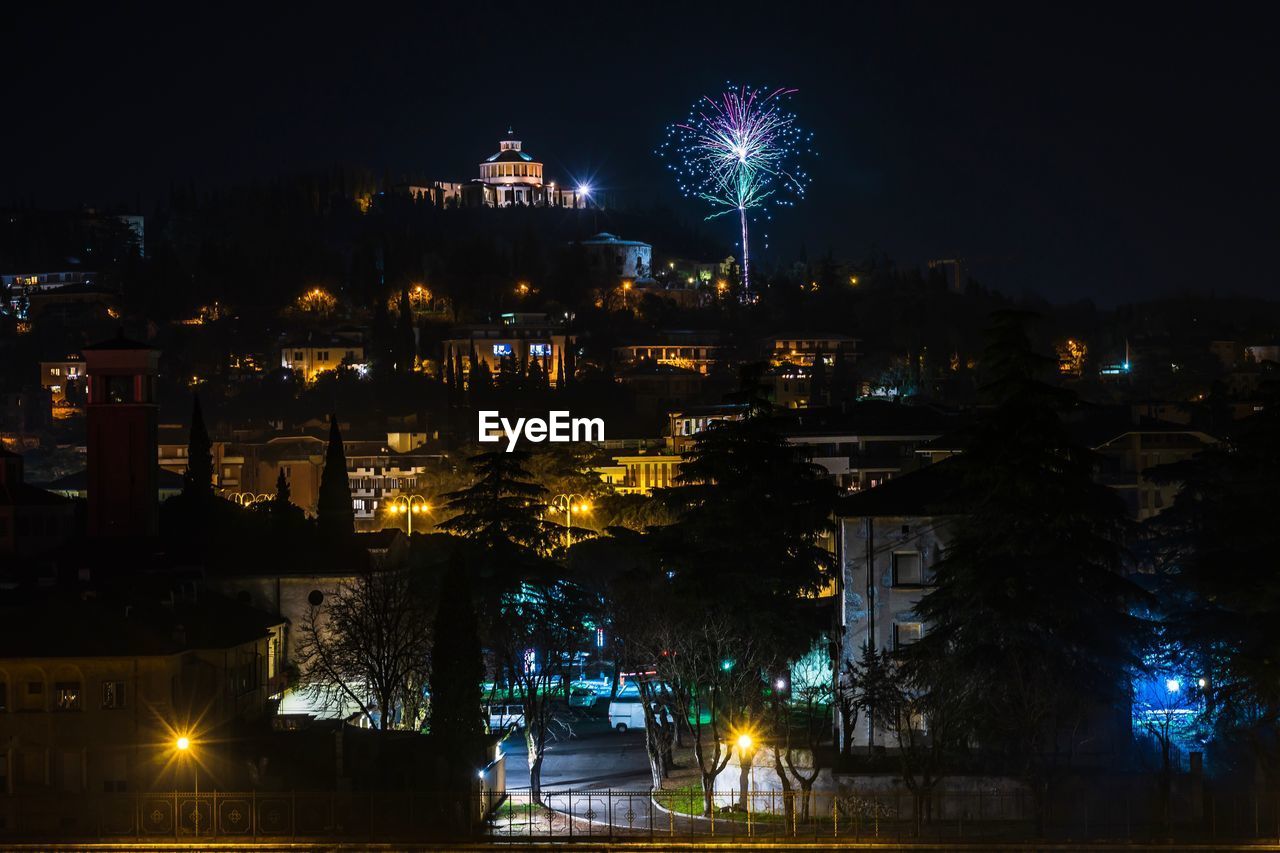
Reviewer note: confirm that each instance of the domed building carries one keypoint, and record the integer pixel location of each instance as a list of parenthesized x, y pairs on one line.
[(512, 177), (509, 178)]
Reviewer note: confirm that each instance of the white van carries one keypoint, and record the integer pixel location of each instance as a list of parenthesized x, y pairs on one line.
[(505, 717), (626, 711)]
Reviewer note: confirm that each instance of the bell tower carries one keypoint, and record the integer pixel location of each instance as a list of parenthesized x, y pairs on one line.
[(122, 440)]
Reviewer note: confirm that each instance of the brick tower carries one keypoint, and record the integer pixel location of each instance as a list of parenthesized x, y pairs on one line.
[(123, 463)]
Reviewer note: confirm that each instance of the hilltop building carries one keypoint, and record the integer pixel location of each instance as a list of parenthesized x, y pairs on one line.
[(511, 177)]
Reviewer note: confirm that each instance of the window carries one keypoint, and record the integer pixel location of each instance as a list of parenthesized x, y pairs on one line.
[(297, 355), (907, 570), (113, 694), (66, 696), (322, 355), (906, 633), (55, 371)]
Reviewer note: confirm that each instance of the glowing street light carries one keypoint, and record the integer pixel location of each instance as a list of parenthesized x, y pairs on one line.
[(183, 745), (408, 506), (745, 742), (569, 504)]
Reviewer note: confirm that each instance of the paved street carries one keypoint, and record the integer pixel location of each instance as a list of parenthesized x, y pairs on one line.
[(597, 758)]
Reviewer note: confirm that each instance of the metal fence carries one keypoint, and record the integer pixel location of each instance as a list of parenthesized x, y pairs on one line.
[(1089, 814)]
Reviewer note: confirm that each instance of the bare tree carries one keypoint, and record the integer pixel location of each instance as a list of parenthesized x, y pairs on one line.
[(367, 646), (540, 628), (800, 712), (714, 678)]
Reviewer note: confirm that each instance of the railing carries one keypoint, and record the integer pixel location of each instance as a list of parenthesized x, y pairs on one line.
[(993, 816)]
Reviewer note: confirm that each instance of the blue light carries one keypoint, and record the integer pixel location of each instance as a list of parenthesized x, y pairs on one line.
[(1172, 685), (584, 189)]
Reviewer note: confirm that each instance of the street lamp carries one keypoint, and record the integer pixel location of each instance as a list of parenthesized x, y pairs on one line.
[(746, 752), (407, 505), (183, 745), (569, 504)]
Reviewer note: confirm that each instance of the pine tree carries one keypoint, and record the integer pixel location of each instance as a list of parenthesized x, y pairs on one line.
[(335, 513), (502, 510), (282, 489), (197, 482), (1029, 604)]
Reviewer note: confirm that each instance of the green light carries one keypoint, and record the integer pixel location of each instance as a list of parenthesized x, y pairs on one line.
[(726, 664)]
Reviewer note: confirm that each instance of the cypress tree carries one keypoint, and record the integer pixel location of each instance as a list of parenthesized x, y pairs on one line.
[(455, 679), (407, 343), (335, 512), (197, 482)]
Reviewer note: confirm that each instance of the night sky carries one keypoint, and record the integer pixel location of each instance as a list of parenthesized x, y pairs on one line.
[(1073, 151)]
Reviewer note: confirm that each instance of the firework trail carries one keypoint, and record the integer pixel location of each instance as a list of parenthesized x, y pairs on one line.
[(740, 152)]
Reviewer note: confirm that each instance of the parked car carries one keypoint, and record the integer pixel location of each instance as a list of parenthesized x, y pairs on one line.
[(505, 717), (583, 697)]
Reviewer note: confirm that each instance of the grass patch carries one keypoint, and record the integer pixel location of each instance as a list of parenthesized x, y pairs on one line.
[(687, 800)]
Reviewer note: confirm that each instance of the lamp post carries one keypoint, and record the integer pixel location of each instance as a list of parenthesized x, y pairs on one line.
[(746, 752), (569, 504), (407, 505), (183, 745)]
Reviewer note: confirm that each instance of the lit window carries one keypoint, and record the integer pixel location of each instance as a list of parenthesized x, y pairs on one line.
[(906, 633), (66, 696), (113, 694)]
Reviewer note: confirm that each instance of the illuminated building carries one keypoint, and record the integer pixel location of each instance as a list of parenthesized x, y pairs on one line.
[(56, 375), (612, 259), (695, 350), (799, 348), (511, 177), (518, 338), (92, 690), (321, 354), (640, 474)]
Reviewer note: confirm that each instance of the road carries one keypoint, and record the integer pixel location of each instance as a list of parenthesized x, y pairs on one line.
[(600, 776), (595, 759)]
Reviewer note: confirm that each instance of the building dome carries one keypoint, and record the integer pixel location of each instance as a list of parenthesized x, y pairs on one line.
[(511, 165)]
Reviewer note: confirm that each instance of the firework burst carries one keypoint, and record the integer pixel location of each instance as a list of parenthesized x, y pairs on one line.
[(741, 153)]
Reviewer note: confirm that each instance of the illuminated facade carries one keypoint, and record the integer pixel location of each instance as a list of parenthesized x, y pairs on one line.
[(312, 357), (519, 339), (511, 177)]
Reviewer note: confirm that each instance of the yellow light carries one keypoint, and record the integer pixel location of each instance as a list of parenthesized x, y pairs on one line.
[(586, 508), (183, 743), (853, 279), (417, 509), (744, 741)]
